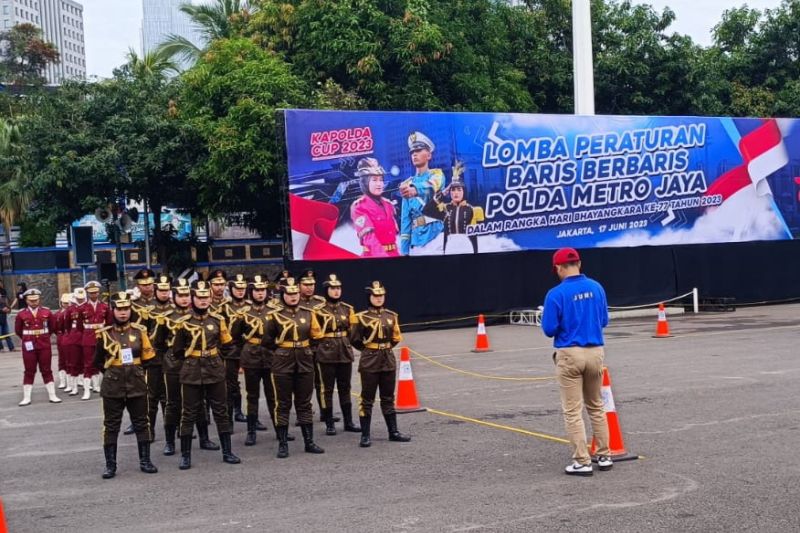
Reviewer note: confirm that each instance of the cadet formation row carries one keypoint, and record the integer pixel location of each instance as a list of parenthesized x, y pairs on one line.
[(182, 345)]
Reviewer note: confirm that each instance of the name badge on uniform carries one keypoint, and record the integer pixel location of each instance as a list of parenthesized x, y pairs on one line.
[(29, 345), (127, 356)]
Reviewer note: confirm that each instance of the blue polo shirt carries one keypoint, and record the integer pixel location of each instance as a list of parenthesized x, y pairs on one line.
[(575, 313)]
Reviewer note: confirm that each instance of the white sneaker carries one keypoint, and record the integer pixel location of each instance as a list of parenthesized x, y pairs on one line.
[(604, 462), (577, 469)]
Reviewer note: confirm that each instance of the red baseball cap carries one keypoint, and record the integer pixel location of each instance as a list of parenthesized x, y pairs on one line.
[(565, 255)]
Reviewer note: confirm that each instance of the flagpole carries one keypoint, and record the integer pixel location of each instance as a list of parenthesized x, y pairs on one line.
[(582, 66)]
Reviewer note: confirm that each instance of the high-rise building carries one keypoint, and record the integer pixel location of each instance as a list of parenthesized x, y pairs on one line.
[(61, 22), (162, 18)]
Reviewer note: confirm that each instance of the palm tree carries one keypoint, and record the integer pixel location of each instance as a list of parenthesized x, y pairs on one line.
[(15, 191), (213, 21), (156, 63)]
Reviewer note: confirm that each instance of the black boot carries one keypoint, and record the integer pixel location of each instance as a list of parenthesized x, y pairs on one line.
[(230, 415), (391, 425), (186, 453), (260, 426), (110, 451), (365, 440), (205, 442), (238, 416), (283, 442), (145, 465), (289, 438), (169, 437), (347, 414), (308, 439), (227, 454), (129, 430), (251, 430), (153, 427), (330, 427)]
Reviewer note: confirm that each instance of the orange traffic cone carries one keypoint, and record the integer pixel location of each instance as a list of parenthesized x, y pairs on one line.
[(482, 340), (662, 327), (3, 526), (407, 399), (616, 445)]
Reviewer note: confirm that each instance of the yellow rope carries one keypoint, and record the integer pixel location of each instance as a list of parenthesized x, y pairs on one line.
[(499, 426), (477, 374)]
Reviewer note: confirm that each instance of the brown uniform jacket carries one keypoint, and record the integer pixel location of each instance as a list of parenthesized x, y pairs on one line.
[(158, 330), (201, 341), (122, 380), (251, 329), (289, 332), (164, 335), (233, 312), (334, 320), (375, 332)]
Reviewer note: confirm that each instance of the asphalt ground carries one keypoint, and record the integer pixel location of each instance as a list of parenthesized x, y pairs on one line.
[(714, 411)]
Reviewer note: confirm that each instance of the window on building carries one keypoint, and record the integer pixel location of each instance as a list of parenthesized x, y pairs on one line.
[(6, 23), (5, 10)]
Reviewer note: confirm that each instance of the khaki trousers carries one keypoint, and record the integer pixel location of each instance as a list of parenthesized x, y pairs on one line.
[(580, 377)]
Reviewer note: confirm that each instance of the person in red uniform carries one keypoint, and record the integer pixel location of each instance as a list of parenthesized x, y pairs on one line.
[(66, 300), (94, 314), (372, 214), (72, 328), (33, 326)]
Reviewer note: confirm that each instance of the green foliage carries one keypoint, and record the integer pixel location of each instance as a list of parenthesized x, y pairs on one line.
[(230, 98), (35, 233), (25, 55)]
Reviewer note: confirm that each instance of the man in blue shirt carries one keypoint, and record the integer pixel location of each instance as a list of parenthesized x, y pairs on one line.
[(420, 234), (575, 313)]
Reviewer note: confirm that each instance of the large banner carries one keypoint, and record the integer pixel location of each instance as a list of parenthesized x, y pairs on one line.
[(384, 184)]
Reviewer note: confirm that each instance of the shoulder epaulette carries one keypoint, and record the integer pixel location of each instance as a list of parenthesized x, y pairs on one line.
[(184, 318), (216, 315), (347, 305), (138, 326), (99, 333), (309, 309), (319, 306)]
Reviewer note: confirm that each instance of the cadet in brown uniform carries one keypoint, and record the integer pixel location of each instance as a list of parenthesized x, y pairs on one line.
[(163, 338), (154, 367), (120, 351), (375, 332), (200, 337), (308, 299), (256, 360), (234, 311), (335, 354), (288, 333)]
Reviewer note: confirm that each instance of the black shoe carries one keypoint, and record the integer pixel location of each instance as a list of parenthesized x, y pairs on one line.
[(260, 426), (391, 424), (330, 427), (308, 439), (365, 441), (347, 414), (250, 440), (145, 465), (238, 416), (227, 454), (110, 451), (205, 442), (129, 430), (186, 453), (282, 433), (169, 437)]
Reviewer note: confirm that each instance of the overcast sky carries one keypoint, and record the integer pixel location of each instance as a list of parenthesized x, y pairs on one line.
[(112, 26)]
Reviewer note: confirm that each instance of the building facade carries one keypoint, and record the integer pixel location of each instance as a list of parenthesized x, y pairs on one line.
[(162, 18), (61, 22)]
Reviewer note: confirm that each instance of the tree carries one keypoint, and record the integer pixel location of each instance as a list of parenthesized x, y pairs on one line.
[(90, 144), (15, 191), (157, 64), (25, 55), (221, 19), (230, 97)]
